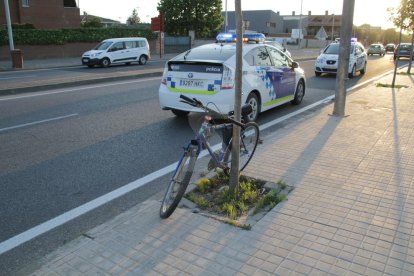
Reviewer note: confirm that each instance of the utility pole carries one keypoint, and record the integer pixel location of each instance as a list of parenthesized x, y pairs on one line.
[(333, 25), (344, 52), (9, 27), (235, 146), (225, 19), (300, 24)]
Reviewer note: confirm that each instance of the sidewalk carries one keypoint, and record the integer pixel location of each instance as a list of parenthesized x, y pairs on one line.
[(351, 212)]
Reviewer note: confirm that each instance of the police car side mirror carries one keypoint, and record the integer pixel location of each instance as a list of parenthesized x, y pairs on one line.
[(295, 65)]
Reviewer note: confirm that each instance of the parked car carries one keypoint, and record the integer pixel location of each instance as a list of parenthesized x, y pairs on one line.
[(403, 50), (376, 49), (118, 50), (270, 78), (327, 61), (390, 47)]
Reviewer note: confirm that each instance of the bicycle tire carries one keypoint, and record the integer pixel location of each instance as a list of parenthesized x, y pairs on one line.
[(178, 184), (248, 143)]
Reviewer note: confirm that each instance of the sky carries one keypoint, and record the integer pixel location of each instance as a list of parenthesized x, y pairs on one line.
[(373, 12)]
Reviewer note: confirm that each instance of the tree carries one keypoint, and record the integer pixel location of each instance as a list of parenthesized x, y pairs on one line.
[(403, 17), (134, 18), (202, 16)]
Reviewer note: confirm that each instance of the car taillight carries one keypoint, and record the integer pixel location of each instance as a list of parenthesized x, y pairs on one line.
[(164, 76), (227, 81)]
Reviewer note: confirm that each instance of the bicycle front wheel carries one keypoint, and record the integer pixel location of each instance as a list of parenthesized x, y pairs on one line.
[(249, 138), (178, 184)]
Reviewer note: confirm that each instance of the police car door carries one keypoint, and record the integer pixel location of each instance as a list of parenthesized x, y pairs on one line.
[(284, 76), (258, 74), (360, 57)]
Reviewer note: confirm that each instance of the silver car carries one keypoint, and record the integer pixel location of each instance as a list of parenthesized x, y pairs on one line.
[(376, 49)]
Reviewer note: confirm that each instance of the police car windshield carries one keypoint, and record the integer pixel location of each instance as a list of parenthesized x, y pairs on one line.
[(333, 49), (207, 52), (103, 46)]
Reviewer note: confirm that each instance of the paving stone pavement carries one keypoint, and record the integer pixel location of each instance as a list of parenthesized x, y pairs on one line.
[(351, 212)]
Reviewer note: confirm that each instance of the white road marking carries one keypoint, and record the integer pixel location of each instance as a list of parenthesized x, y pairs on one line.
[(22, 77), (39, 122), (91, 205)]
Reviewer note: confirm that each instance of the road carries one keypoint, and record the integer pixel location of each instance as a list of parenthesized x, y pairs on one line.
[(63, 148)]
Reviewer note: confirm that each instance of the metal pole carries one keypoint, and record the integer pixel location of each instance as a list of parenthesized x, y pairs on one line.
[(225, 23), (333, 24), (300, 24), (9, 27), (396, 60), (344, 52), (235, 146)]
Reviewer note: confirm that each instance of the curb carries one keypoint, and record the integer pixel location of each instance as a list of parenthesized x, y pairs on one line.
[(38, 88)]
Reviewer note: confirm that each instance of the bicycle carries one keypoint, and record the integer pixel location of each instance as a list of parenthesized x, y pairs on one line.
[(213, 121)]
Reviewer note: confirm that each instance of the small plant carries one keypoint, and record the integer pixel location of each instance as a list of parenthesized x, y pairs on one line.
[(203, 184), (201, 202), (282, 184), (230, 210), (271, 199)]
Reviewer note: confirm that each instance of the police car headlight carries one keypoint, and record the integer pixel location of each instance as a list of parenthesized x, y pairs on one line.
[(320, 60)]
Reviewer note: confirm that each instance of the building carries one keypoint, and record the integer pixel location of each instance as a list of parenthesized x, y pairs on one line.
[(263, 21), (311, 24), (44, 14), (273, 24), (106, 22)]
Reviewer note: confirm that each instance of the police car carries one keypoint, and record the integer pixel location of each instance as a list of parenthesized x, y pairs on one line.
[(270, 78), (327, 61)]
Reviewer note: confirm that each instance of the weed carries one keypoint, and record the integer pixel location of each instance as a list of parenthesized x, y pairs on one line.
[(203, 184), (201, 202)]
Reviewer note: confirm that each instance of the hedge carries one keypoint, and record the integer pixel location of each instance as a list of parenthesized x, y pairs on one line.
[(63, 36)]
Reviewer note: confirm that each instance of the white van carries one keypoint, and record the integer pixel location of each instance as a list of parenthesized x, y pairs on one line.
[(118, 50)]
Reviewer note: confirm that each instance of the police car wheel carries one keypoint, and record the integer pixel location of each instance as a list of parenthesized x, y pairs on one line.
[(300, 92), (364, 69), (179, 113), (353, 72), (254, 102)]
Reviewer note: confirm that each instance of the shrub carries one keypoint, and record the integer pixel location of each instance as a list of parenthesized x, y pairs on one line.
[(63, 36)]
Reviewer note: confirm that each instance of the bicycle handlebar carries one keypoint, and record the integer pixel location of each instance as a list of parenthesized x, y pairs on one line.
[(196, 103)]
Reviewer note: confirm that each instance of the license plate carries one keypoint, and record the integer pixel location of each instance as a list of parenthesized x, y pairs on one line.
[(192, 83), (85, 60)]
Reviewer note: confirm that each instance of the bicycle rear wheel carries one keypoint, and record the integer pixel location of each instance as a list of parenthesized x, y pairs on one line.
[(178, 184), (249, 138)]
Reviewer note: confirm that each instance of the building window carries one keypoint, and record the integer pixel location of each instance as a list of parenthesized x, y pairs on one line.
[(271, 24), (69, 4), (25, 3)]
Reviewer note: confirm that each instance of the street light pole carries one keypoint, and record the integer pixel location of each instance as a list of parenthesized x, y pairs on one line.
[(9, 27), (300, 24), (225, 18), (343, 59)]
